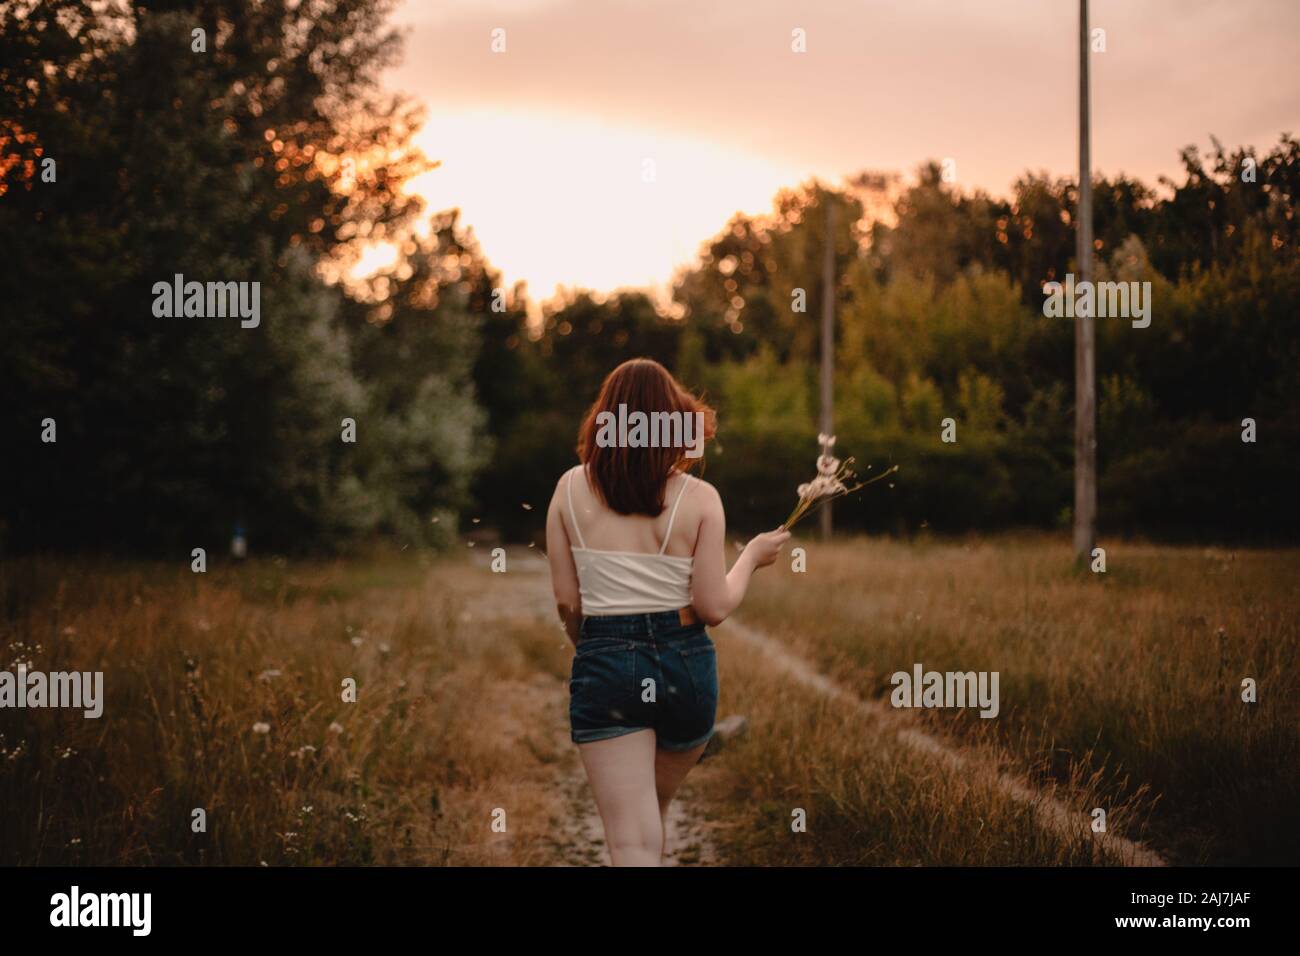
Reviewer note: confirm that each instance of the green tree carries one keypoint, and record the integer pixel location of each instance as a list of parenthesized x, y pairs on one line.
[(268, 157)]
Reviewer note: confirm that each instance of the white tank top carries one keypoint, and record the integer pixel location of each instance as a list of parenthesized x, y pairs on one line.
[(629, 582)]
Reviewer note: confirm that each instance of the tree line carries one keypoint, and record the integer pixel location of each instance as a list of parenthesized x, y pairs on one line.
[(274, 156), (939, 310)]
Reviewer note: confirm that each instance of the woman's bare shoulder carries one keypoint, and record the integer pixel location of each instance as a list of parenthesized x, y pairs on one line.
[(557, 496), (705, 495), (566, 475)]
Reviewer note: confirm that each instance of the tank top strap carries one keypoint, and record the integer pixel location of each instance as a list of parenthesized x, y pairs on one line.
[(673, 516), (573, 515)]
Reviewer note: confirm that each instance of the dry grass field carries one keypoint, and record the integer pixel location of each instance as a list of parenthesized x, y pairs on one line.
[(448, 724), (1130, 680), (224, 692)]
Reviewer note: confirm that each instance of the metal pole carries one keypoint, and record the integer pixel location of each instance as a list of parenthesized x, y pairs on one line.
[(828, 341), (1085, 373)]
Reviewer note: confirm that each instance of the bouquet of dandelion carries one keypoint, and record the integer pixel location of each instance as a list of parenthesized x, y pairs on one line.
[(834, 480)]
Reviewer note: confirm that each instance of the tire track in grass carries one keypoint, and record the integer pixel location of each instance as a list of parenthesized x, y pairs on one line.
[(1049, 811)]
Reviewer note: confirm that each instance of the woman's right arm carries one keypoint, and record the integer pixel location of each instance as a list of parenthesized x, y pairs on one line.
[(715, 591), (564, 573)]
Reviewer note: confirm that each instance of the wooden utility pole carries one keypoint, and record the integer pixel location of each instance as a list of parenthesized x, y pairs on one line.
[(1085, 371), (828, 339)]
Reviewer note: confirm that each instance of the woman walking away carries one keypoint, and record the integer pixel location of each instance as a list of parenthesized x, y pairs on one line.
[(636, 548)]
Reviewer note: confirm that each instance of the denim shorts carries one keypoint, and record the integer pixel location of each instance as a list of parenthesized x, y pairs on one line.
[(643, 671)]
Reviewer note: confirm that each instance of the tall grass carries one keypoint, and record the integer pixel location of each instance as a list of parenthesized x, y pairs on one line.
[(1132, 678), (1123, 688), (865, 797), (448, 726)]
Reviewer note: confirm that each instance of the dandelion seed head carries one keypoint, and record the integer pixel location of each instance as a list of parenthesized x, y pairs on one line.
[(828, 465)]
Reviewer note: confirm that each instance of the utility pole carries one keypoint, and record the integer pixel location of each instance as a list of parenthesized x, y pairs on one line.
[(828, 340), (1085, 356)]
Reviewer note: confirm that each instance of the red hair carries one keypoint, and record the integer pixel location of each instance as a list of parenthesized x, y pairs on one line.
[(632, 480)]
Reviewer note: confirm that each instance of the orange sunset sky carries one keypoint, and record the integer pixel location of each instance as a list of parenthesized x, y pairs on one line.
[(544, 147)]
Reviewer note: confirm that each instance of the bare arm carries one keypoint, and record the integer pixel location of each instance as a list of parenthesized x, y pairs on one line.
[(564, 574), (717, 592)]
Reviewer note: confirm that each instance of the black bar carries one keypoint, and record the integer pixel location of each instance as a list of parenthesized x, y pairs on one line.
[(335, 905)]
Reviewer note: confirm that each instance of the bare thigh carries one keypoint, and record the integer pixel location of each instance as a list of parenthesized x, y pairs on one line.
[(623, 781)]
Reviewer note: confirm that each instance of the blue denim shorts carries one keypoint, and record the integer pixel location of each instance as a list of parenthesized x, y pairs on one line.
[(643, 671)]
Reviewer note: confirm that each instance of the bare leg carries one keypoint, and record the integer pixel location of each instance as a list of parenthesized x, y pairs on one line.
[(671, 768), (622, 775)]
